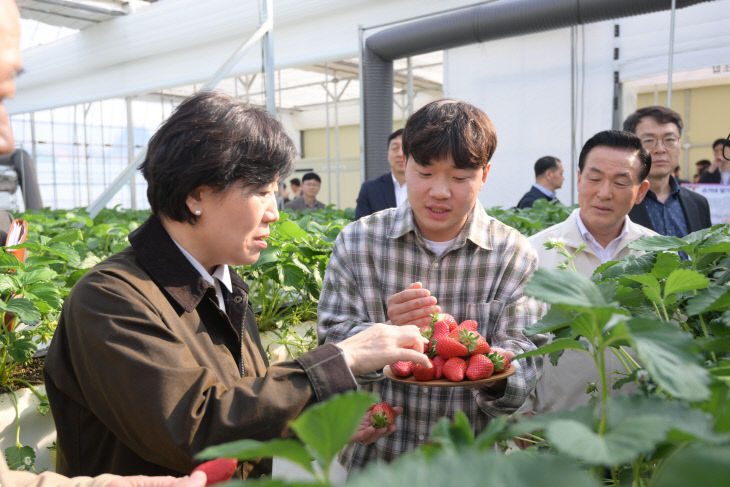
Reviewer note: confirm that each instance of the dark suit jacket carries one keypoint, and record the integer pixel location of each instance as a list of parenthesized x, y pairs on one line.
[(375, 195), (531, 196), (713, 177), (695, 206)]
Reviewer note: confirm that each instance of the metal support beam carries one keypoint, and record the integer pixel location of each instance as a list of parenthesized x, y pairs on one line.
[(127, 173), (130, 152), (266, 13), (670, 68)]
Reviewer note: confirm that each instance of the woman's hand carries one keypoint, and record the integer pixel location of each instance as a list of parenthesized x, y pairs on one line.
[(382, 345)]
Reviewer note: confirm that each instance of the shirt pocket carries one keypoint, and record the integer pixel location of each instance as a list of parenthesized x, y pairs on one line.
[(486, 315)]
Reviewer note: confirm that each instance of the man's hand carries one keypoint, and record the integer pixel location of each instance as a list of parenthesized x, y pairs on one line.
[(382, 345), (367, 434), (413, 306), (196, 479)]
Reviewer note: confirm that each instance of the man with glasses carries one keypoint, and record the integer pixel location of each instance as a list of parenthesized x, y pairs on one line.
[(668, 208)]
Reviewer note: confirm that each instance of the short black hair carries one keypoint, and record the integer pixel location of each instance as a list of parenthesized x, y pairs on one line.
[(545, 163), (397, 133), (450, 128), (722, 142), (312, 175), (659, 113), (617, 139), (212, 139), (295, 182), (703, 162)]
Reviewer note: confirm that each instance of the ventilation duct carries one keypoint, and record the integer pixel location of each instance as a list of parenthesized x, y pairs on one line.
[(480, 23)]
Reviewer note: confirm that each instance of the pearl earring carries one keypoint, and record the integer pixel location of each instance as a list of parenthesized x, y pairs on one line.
[(197, 212)]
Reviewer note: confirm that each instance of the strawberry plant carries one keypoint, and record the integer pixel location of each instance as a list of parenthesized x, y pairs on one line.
[(529, 221)]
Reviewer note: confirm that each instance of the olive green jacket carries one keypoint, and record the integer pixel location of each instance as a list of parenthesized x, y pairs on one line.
[(145, 370)]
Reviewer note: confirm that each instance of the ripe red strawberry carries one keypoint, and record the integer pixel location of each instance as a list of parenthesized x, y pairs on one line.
[(438, 366), (381, 415), (218, 470), (472, 340), (423, 373), (454, 369), (444, 318), (440, 329), (470, 325), (479, 367), (501, 358), (402, 368), (447, 347)]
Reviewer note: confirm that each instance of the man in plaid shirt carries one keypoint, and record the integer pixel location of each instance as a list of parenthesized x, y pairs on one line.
[(441, 247)]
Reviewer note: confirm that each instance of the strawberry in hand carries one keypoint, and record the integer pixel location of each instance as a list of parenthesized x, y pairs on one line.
[(402, 368), (218, 470), (381, 415)]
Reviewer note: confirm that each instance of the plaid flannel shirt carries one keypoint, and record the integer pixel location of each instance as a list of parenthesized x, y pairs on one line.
[(480, 277)]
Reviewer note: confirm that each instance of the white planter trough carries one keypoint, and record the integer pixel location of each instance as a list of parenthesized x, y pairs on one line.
[(36, 430)]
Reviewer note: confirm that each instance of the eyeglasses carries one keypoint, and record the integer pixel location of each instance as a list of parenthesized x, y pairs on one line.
[(726, 149), (668, 142)]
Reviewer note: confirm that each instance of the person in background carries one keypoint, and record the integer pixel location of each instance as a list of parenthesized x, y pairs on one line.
[(667, 208), (719, 170), (10, 66), (311, 182), (282, 197), (701, 166), (548, 178), (388, 190), (296, 188), (613, 167), (677, 175), (157, 352), (439, 249)]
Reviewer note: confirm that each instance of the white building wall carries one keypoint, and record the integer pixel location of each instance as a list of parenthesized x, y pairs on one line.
[(524, 85)]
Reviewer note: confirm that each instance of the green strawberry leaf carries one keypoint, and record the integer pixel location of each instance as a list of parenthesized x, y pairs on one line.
[(23, 308), (665, 263), (715, 298), (695, 465), (658, 242), (474, 467), (557, 317), (323, 436), (290, 449), (289, 230), (621, 443), (682, 280), (21, 348), (648, 281), (668, 355), (20, 457), (8, 284), (556, 286)]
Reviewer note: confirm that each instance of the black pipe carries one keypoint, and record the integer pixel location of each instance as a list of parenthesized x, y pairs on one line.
[(480, 23)]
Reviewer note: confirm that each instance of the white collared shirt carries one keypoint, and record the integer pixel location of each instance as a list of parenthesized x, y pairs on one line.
[(545, 191), (220, 274), (607, 253), (401, 192)]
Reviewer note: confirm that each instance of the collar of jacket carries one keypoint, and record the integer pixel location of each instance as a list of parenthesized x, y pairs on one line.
[(167, 266)]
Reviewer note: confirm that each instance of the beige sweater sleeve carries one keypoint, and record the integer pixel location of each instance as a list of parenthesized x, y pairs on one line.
[(14, 478)]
